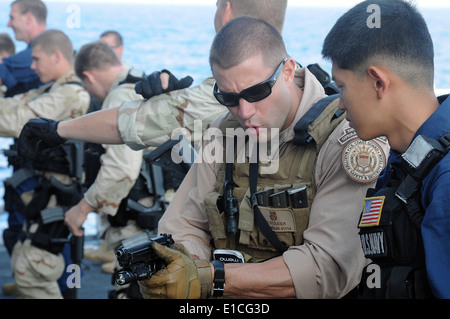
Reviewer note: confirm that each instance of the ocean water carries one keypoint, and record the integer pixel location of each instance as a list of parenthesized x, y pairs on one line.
[(178, 38)]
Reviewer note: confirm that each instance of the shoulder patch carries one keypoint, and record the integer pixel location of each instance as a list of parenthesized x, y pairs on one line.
[(363, 161)]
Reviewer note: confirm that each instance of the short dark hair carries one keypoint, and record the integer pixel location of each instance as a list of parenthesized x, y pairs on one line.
[(36, 7), (7, 44), (272, 11), (118, 39), (402, 42), (96, 55), (245, 37), (54, 40)]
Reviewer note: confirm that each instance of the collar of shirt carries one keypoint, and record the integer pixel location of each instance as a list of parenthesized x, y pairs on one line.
[(122, 76), (313, 92), (66, 78), (438, 124)]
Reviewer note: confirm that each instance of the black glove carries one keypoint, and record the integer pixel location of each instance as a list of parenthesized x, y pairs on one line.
[(37, 135), (151, 85)]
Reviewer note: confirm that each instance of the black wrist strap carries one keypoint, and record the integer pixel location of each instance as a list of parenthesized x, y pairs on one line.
[(219, 278)]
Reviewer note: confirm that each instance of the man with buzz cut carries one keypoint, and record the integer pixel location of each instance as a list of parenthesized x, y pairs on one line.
[(111, 170), (294, 228), (35, 268), (386, 76)]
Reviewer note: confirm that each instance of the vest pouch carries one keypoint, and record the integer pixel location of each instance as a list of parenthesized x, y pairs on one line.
[(13, 201), (66, 195), (216, 220), (41, 197), (51, 232), (401, 283), (282, 222), (22, 181), (122, 216), (286, 209), (287, 222), (390, 237)]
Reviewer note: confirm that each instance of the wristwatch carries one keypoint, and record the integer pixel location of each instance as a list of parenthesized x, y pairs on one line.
[(219, 278)]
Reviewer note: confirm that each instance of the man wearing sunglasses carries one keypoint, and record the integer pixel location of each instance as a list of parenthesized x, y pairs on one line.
[(264, 89)]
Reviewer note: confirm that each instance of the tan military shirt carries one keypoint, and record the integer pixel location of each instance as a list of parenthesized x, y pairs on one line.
[(330, 262), (36, 270), (120, 165), (58, 101), (151, 122)]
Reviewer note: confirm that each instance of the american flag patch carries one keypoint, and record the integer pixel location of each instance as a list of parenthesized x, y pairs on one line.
[(372, 211)]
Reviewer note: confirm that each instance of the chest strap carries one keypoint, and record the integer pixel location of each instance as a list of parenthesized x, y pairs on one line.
[(302, 135), (259, 218)]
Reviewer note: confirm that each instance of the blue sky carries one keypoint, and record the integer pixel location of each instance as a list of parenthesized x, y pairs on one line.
[(324, 3)]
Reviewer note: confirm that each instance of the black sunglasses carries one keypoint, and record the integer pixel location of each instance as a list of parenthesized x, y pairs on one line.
[(252, 94)]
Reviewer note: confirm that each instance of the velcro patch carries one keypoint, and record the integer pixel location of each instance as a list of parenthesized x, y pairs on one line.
[(371, 215), (374, 244)]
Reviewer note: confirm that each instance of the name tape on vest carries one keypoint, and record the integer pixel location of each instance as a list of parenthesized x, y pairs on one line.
[(374, 244), (281, 221)]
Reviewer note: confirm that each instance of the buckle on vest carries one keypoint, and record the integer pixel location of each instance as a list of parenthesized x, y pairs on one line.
[(445, 141)]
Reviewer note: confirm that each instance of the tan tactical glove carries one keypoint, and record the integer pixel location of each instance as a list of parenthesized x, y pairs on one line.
[(183, 278)]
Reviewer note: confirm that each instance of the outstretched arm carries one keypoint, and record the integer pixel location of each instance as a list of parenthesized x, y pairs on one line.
[(40, 133), (98, 127)]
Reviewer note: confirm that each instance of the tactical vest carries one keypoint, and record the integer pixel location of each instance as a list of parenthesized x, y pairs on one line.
[(390, 225), (148, 188), (284, 199), (64, 162), (151, 181)]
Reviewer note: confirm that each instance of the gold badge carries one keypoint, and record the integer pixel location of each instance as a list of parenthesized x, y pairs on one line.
[(363, 161)]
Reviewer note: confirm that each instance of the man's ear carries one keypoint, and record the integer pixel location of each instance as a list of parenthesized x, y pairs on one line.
[(29, 18), (228, 15), (89, 77), (289, 69), (57, 56), (381, 80)]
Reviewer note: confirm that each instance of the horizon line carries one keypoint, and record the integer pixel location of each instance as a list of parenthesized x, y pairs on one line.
[(423, 4)]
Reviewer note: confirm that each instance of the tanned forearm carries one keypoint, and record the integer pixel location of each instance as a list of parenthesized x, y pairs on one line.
[(270, 279), (98, 127)]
